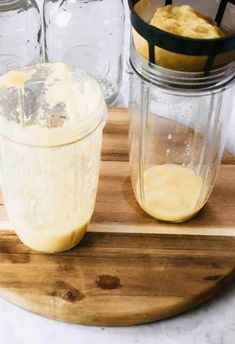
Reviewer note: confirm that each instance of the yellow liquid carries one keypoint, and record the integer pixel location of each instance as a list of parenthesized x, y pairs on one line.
[(50, 193), (171, 192), (52, 242)]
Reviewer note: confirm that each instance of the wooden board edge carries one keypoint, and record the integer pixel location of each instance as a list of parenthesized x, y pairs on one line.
[(152, 315)]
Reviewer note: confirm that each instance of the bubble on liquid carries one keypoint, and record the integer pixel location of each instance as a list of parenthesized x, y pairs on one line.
[(169, 136), (168, 151)]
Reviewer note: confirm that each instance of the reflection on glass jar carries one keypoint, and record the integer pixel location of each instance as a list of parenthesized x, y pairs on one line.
[(20, 34), (87, 35), (177, 136), (51, 123)]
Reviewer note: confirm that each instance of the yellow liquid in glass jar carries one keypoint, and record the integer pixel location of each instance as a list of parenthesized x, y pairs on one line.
[(171, 192)]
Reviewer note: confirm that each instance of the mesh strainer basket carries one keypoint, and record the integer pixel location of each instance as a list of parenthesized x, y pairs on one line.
[(183, 53)]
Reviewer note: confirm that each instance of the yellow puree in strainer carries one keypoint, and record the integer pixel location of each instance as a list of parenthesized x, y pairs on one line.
[(183, 21)]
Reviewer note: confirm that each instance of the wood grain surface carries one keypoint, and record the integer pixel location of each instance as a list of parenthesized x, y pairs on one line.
[(129, 268)]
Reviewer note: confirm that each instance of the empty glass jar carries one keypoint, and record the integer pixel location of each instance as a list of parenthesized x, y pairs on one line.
[(87, 34), (178, 129), (20, 34), (51, 122)]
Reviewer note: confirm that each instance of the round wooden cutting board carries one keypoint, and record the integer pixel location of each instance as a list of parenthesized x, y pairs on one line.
[(129, 269)]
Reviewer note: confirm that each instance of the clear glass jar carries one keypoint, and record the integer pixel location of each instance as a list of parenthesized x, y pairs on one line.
[(51, 122), (89, 35), (20, 38), (178, 128)]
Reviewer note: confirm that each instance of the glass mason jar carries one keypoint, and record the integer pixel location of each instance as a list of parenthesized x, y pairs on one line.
[(89, 35), (51, 122), (178, 129), (20, 38)]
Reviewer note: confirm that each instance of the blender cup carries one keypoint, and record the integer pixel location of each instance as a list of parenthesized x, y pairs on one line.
[(180, 104), (51, 122)]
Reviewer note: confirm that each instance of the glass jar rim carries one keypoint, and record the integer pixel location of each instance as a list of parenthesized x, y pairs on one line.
[(95, 117), (181, 80)]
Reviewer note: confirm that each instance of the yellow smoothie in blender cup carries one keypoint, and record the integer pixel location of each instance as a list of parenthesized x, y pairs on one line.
[(51, 121)]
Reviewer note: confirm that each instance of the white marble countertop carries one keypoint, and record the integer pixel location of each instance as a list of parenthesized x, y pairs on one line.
[(211, 323)]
